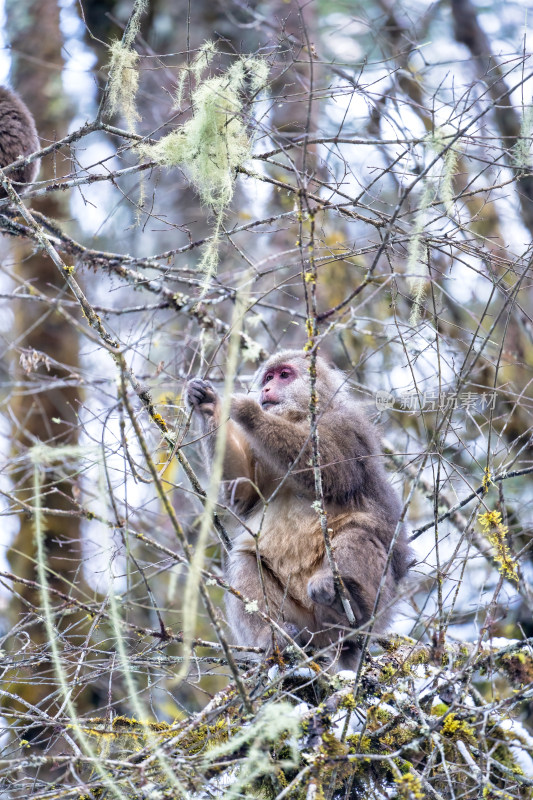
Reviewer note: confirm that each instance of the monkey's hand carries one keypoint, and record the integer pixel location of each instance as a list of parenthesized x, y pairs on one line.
[(202, 397), (245, 410), (321, 588)]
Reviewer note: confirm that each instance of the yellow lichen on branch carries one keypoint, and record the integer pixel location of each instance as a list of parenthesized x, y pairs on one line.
[(410, 787), (496, 533)]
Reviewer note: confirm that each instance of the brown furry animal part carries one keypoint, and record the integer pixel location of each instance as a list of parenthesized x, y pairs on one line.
[(18, 137), (270, 484)]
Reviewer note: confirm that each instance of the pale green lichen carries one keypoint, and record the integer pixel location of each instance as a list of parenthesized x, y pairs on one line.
[(451, 159), (435, 181), (123, 83), (522, 148), (201, 61), (275, 723), (123, 74), (417, 282), (439, 142), (214, 142), (251, 350)]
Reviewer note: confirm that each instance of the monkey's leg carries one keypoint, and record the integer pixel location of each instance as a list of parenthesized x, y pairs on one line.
[(361, 557), (248, 628)]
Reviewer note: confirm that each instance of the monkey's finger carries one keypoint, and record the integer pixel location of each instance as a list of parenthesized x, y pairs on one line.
[(202, 388), (196, 395), (199, 382), (193, 400)]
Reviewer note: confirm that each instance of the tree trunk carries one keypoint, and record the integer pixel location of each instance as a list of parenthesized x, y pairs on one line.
[(45, 408)]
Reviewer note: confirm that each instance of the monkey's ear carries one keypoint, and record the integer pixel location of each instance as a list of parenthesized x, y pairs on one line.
[(329, 365)]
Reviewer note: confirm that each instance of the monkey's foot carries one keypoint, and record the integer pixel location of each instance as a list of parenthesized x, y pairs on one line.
[(292, 630), (321, 589)]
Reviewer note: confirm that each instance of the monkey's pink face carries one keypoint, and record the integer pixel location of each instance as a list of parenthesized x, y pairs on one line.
[(276, 387)]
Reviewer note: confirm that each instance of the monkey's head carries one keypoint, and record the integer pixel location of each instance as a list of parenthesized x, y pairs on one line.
[(284, 382)]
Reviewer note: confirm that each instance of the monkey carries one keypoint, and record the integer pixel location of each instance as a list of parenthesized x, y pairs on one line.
[(278, 557), (18, 136)]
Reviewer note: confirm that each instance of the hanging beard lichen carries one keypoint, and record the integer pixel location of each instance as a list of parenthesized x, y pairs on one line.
[(123, 70), (123, 83), (437, 182), (214, 142)]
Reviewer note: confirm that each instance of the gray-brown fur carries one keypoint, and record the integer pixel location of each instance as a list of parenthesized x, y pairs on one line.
[(268, 456), (18, 136)]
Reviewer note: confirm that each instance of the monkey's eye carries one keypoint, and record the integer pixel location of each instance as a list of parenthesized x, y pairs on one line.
[(268, 377), (285, 374)]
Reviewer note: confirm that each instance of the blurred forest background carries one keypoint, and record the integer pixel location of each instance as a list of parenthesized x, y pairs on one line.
[(354, 177)]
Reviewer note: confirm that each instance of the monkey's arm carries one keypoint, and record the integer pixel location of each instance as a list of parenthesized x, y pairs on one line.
[(238, 466), (284, 443)]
